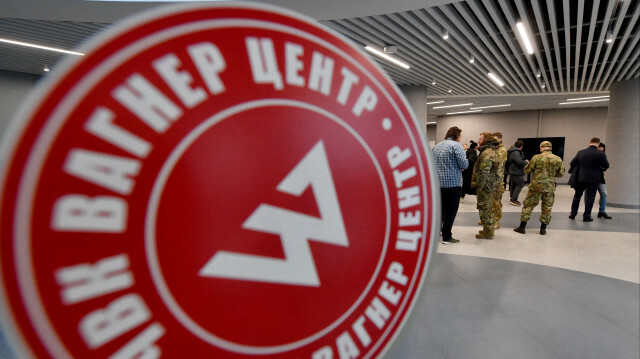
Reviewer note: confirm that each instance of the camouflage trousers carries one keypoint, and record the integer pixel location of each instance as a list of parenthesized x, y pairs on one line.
[(497, 202), (485, 207), (532, 200)]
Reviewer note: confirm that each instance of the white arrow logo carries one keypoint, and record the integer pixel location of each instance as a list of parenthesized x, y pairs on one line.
[(295, 230)]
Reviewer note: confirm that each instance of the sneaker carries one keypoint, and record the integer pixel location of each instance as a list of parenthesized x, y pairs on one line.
[(519, 203), (513, 203), (451, 241)]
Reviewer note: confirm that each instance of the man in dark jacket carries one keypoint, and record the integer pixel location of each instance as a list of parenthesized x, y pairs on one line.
[(516, 161), (589, 163)]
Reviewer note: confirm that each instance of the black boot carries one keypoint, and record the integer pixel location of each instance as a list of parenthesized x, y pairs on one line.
[(572, 215), (543, 229), (521, 228), (604, 215)]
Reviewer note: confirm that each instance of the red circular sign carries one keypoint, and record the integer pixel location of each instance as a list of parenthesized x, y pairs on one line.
[(225, 180)]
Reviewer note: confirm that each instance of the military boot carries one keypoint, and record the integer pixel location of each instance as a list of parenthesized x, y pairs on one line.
[(485, 233), (543, 229), (521, 228)]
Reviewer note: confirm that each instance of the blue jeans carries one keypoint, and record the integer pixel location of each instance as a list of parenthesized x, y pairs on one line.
[(602, 189)]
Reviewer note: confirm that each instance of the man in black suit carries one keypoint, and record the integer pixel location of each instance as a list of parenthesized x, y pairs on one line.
[(588, 163)]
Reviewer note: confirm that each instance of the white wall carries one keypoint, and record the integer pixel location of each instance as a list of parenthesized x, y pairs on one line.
[(577, 126)]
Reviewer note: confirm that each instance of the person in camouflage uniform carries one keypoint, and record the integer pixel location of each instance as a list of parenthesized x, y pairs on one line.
[(485, 179), (497, 195), (544, 168)]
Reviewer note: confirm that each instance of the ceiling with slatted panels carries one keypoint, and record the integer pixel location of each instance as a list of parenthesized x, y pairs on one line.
[(571, 56)]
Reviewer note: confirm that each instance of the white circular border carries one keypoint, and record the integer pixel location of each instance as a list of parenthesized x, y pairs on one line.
[(150, 230), (32, 166)]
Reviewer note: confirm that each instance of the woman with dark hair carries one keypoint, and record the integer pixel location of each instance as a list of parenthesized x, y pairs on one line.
[(472, 155)]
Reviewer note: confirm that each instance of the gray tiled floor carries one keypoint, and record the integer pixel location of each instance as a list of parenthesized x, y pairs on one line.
[(488, 308)]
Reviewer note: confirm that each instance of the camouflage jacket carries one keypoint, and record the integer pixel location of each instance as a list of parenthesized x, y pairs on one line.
[(485, 172), (502, 151), (544, 167)]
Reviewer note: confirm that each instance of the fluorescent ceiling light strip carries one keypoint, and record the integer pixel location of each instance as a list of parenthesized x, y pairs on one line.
[(477, 108), (387, 57), (460, 105), (587, 98), (571, 103), (434, 102), (525, 38), (431, 123), (40, 47), (456, 113), (495, 79)]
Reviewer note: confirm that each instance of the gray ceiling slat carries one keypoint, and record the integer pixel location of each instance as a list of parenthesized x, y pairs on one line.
[(545, 43), (463, 54), (625, 71), (620, 19), (625, 58), (490, 57), (499, 54), (504, 30), (417, 41), (512, 19), (356, 25), (566, 8), (592, 27), (634, 72), (446, 64), (621, 45), (440, 63), (525, 20), (556, 42), (576, 72), (603, 32)]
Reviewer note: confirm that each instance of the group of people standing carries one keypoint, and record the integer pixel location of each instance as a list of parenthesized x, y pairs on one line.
[(466, 172)]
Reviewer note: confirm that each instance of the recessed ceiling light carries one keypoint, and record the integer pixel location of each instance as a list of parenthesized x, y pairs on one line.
[(543, 85), (477, 108), (456, 113), (27, 44), (495, 79), (525, 38), (459, 105), (46, 68), (450, 90), (434, 102), (587, 98), (609, 38), (445, 34), (572, 102), (472, 59), (387, 57), (433, 82), (538, 73)]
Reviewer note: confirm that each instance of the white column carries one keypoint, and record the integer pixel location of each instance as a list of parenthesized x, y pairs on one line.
[(623, 145)]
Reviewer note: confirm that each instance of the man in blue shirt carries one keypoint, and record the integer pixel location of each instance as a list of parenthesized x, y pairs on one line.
[(451, 160)]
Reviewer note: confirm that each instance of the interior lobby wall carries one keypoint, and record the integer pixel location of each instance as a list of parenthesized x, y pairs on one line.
[(577, 126)]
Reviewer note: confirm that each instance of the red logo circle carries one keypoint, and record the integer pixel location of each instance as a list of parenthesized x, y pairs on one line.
[(223, 180)]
